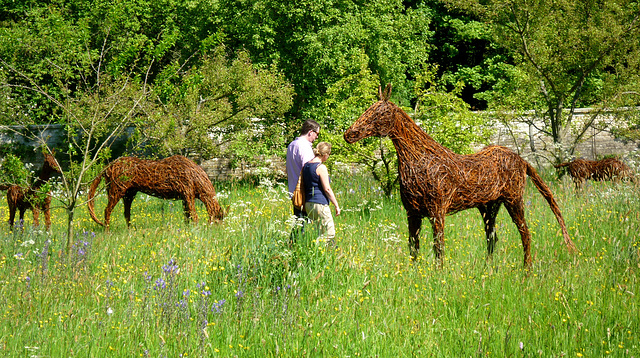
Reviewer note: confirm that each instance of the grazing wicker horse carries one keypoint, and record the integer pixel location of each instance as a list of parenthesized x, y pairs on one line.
[(174, 178), (21, 198), (582, 170), (434, 181)]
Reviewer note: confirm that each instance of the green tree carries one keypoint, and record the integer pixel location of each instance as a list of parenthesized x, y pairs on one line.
[(223, 107), (569, 54), (314, 43), (12, 171), (445, 116), (133, 37), (93, 115), (318, 43), (463, 49)]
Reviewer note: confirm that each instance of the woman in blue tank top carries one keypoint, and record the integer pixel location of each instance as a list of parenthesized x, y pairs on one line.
[(318, 192)]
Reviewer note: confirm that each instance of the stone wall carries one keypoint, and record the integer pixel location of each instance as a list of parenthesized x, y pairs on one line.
[(597, 145), (24, 141), (220, 169)]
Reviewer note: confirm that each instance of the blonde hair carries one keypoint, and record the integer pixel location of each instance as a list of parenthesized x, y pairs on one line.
[(323, 148)]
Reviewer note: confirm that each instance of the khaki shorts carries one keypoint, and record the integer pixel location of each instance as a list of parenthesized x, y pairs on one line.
[(321, 215)]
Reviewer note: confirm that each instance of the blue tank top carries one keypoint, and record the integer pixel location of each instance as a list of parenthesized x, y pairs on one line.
[(314, 192)]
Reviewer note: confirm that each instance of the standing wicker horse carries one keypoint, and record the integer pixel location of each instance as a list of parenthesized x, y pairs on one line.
[(582, 170), (21, 198), (174, 178), (434, 181)]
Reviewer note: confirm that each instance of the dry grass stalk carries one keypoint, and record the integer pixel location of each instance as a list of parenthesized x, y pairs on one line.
[(22, 198), (582, 170), (434, 181), (176, 178)]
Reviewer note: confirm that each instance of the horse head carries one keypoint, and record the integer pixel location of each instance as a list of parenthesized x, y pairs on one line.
[(51, 164), (376, 121)]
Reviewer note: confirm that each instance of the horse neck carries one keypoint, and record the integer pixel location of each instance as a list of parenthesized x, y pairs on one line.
[(412, 143), (45, 175)]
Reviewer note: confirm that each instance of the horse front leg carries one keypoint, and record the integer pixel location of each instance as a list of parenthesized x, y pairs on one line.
[(36, 216), (22, 210), (12, 216), (489, 213), (189, 205), (415, 222), (46, 209)]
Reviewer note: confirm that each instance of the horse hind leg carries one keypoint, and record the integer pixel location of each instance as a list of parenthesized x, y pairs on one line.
[(489, 213), (437, 224), (415, 222), (127, 200), (114, 198), (516, 211)]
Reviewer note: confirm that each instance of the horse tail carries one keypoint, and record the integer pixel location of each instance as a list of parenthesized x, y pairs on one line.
[(92, 195), (5, 186), (548, 195), (566, 164)]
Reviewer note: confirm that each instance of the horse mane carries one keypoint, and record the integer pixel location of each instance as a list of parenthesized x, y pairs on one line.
[(49, 166), (404, 127)]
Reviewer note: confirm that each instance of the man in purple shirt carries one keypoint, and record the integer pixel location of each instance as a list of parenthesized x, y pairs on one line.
[(299, 152)]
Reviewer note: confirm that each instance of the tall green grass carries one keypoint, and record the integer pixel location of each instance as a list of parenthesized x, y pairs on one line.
[(165, 288)]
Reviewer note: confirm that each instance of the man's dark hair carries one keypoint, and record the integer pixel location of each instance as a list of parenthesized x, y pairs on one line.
[(309, 125)]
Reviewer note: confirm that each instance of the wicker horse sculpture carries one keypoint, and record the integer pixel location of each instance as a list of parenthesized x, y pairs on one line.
[(582, 170), (20, 198), (176, 178), (434, 181)]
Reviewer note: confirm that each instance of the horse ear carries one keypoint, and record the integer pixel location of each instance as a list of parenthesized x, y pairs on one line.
[(387, 93), (380, 92)]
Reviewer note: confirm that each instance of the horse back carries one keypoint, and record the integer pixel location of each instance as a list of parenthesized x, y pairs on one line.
[(459, 182)]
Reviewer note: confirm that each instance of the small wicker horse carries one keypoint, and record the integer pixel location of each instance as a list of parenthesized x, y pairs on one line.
[(174, 178), (582, 170), (434, 181), (22, 198)]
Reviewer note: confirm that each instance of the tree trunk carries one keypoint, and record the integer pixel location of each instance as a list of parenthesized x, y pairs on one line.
[(70, 213)]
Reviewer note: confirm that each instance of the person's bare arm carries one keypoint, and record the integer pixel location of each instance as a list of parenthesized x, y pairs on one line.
[(323, 173)]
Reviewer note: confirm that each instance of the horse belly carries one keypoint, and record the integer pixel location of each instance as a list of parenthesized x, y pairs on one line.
[(163, 189)]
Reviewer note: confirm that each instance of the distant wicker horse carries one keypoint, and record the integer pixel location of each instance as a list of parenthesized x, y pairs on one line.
[(434, 181), (582, 170), (176, 178), (22, 198)]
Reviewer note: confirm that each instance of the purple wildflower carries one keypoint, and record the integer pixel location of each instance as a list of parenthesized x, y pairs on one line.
[(171, 267), (161, 284), (217, 306)]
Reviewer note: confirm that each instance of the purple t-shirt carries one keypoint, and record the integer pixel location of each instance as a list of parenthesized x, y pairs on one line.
[(299, 152)]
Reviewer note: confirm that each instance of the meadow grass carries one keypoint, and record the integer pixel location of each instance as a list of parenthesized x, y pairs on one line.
[(165, 288)]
